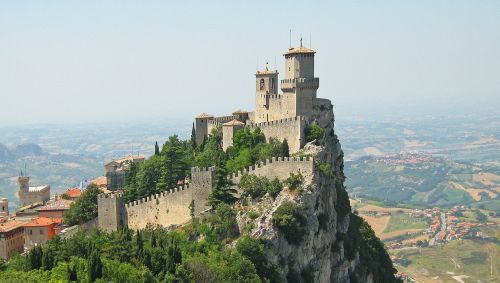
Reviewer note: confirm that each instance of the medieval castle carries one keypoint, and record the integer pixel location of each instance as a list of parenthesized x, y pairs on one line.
[(280, 116)]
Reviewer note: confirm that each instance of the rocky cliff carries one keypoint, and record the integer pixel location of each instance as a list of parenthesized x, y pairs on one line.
[(332, 245)]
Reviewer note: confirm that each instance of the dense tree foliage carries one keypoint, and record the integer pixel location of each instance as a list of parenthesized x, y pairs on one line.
[(256, 187), (84, 208), (161, 171), (168, 167), (194, 253)]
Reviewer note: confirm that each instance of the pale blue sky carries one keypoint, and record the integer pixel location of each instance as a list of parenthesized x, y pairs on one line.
[(81, 61)]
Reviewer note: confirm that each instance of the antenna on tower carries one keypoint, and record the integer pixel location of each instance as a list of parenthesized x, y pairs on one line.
[(300, 40), (290, 38)]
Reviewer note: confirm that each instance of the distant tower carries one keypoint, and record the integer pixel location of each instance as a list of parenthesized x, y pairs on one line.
[(202, 128), (4, 207), (266, 89), (24, 183), (299, 85)]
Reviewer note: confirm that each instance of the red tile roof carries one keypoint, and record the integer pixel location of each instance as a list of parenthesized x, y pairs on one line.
[(41, 221), (62, 204), (73, 192), (9, 225)]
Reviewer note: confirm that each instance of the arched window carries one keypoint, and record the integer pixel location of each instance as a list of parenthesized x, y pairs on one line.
[(261, 84)]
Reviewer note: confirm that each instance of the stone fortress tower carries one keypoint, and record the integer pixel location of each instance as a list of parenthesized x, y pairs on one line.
[(281, 116), (29, 195)]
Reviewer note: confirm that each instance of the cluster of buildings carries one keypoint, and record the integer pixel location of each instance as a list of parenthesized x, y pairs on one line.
[(403, 158), (36, 221), (446, 226), (40, 217)]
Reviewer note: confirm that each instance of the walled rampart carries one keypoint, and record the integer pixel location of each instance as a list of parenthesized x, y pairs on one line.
[(291, 129), (165, 209), (279, 167)]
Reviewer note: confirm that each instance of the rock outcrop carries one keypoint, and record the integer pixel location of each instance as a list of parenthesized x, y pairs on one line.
[(329, 250)]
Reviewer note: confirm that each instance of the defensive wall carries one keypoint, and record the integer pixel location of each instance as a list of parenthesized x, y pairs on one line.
[(279, 167), (291, 129), (166, 208), (173, 207)]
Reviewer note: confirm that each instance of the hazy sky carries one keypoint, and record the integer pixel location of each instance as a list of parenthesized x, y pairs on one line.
[(79, 61)]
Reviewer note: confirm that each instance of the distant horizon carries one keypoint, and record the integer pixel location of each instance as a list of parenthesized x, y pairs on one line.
[(120, 61)]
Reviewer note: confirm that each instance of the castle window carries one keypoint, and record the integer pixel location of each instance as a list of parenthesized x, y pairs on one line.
[(261, 87), (272, 83), (41, 232)]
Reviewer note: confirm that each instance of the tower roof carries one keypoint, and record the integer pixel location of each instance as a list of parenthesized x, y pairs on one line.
[(204, 115), (299, 50), (233, 123), (240, 111), (267, 72)]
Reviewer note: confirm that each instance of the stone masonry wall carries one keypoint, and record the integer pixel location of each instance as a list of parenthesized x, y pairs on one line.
[(291, 129), (280, 167)]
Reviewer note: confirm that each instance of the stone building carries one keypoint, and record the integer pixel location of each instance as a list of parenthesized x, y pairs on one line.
[(29, 195), (279, 115), (11, 238), (55, 209), (38, 231), (115, 171)]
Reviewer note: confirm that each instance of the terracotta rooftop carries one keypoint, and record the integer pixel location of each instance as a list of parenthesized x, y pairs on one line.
[(73, 192), (9, 225), (42, 221), (62, 204), (204, 115), (233, 123), (295, 50)]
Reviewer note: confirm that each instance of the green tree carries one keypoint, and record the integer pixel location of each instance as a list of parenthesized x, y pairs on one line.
[(94, 265), (35, 257), (285, 150), (314, 132), (290, 221), (84, 208), (193, 138), (157, 148)]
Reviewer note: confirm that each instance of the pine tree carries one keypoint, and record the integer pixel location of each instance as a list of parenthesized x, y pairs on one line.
[(157, 148), (222, 191)]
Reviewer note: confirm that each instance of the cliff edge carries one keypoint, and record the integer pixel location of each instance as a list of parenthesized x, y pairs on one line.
[(324, 241)]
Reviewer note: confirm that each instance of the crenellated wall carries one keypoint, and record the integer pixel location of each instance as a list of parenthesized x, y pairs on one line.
[(173, 207), (165, 209), (279, 167), (291, 129)]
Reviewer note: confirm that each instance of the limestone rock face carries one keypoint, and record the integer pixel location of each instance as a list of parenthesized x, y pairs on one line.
[(320, 254)]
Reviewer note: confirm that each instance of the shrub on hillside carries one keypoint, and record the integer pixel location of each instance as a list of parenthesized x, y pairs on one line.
[(290, 221), (314, 132)]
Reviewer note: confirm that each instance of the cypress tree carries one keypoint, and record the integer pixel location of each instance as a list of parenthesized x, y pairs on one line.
[(193, 138), (35, 257), (94, 265), (285, 150), (157, 148)]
